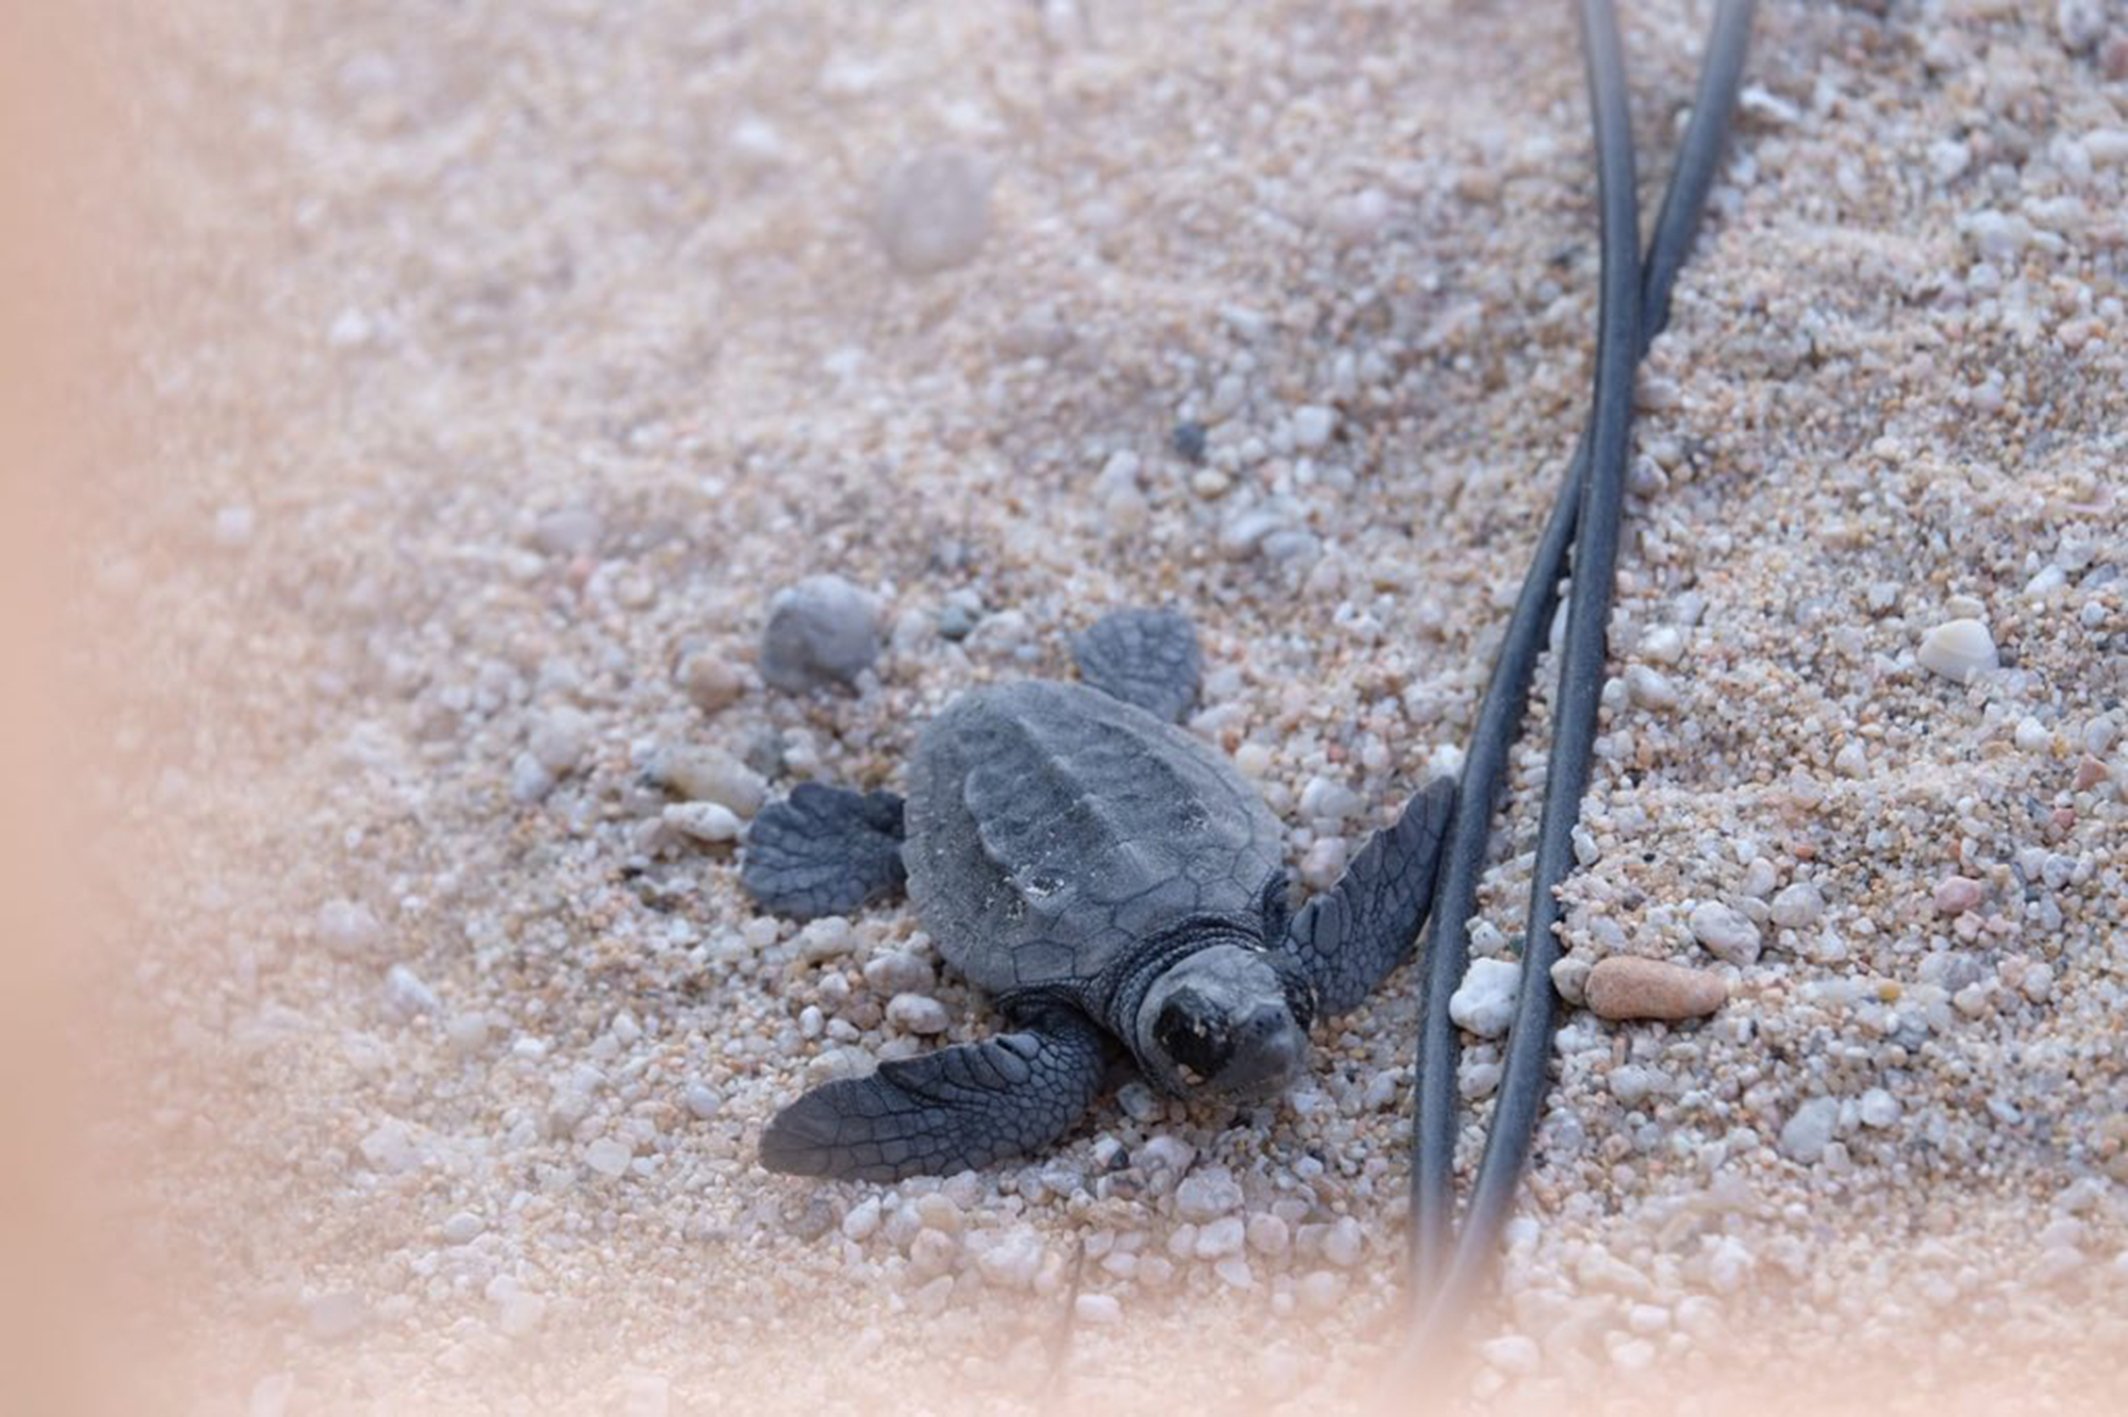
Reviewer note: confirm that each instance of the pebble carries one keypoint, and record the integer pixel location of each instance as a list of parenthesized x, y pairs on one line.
[(529, 781), (1484, 1004), (1512, 1353), (1207, 1195), (1346, 1243), (1957, 650), (1312, 425), (1878, 1108), (1808, 1131), (1321, 1289), (1798, 906), (821, 631), (1570, 977), (1727, 933), (1269, 1234), (915, 1013), (1954, 895), (609, 1156), (712, 682), (1649, 689), (933, 211), (463, 1228), (467, 1032), (348, 928), (703, 821), (1097, 1310), (899, 972), (233, 526), (560, 737), (1628, 987), (407, 995), (1013, 1259), (1222, 1237), (709, 775), (862, 1221), (702, 1100)]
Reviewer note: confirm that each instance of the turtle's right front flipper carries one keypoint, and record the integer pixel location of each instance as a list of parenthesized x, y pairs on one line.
[(824, 851), (947, 1111)]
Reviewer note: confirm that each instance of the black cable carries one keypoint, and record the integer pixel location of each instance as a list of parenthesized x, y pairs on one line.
[(1500, 715)]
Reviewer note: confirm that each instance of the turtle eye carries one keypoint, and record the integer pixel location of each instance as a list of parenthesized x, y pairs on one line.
[(1194, 1034)]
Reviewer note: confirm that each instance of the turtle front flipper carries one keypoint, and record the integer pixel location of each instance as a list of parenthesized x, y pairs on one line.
[(946, 1111), (824, 851), (1346, 939), (1143, 657)]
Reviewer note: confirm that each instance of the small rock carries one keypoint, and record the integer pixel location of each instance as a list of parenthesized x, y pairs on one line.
[(708, 775), (1726, 932), (609, 1156), (1512, 1353), (348, 928), (1013, 1259), (1954, 895), (1878, 1108), (933, 211), (233, 526), (1219, 1238), (712, 682), (862, 1221), (703, 821), (407, 995), (1485, 1002), (1649, 689), (1269, 1235), (529, 781), (463, 1228), (560, 737), (1627, 987), (1207, 1195), (1798, 906), (702, 1100), (898, 972), (1808, 1132), (1312, 426), (1097, 1310), (1345, 1244), (569, 531), (467, 1032), (1570, 977), (915, 1013), (821, 631), (1957, 650), (1188, 440)]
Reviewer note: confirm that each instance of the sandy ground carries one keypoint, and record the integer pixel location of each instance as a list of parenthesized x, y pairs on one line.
[(488, 366)]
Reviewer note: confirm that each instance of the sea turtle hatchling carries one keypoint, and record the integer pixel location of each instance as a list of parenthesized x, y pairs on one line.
[(1109, 879)]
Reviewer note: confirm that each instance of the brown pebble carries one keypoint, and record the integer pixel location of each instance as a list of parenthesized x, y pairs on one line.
[(712, 683), (1955, 895), (1627, 987), (2090, 773)]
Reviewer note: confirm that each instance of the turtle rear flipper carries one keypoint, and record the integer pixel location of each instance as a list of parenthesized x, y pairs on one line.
[(946, 1111), (1143, 657), (1349, 937), (824, 851)]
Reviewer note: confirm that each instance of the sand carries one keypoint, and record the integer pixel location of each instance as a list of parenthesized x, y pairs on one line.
[(488, 368)]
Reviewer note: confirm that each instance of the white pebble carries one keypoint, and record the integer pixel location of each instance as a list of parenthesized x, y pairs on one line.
[(1012, 1259), (862, 1221), (1485, 1003), (2032, 735), (1806, 1134), (702, 1100), (348, 928), (934, 211), (463, 1228), (609, 1156), (1097, 1310), (820, 631), (407, 995), (1512, 1353), (1727, 933), (1798, 906), (704, 821), (1648, 689), (1222, 1237), (898, 972), (1878, 1108), (1208, 1194), (1313, 425), (1957, 650), (916, 1013), (560, 738), (1346, 1243)]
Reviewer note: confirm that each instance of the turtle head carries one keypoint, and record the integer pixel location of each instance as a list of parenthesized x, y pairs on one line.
[(1225, 1017)]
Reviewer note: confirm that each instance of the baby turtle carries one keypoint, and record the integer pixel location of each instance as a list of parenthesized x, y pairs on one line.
[(1110, 880)]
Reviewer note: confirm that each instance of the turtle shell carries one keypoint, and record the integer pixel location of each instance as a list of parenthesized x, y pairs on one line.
[(1052, 827)]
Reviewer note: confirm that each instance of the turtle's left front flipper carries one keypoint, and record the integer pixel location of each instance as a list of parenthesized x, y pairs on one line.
[(1144, 657), (1346, 939), (824, 851), (947, 1111)]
